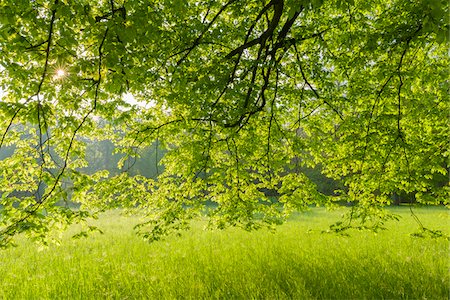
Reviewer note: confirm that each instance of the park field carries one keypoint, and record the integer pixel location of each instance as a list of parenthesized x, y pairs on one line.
[(298, 261)]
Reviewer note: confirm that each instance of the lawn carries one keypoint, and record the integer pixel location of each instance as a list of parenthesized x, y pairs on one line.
[(295, 262)]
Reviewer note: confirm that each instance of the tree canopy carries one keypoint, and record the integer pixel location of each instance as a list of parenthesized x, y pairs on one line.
[(239, 96)]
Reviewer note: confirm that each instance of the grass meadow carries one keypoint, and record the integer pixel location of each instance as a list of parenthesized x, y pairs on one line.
[(295, 262)]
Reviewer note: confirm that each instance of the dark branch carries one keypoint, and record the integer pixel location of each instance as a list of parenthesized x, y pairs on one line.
[(278, 11)]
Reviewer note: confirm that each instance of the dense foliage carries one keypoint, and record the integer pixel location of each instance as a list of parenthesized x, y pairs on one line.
[(241, 95)]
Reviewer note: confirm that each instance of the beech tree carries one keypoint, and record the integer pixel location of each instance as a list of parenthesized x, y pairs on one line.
[(241, 95)]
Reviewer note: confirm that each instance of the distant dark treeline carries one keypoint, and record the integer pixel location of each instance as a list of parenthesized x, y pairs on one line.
[(101, 155)]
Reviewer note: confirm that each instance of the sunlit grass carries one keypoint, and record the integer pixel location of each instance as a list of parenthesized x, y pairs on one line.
[(296, 262)]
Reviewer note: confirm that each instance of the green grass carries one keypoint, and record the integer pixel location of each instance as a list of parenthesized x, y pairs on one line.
[(296, 262)]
